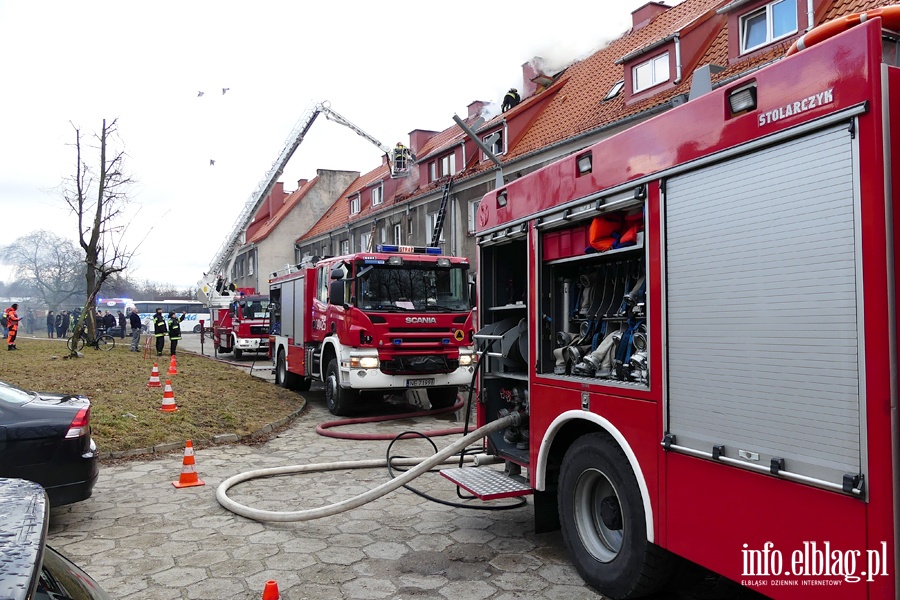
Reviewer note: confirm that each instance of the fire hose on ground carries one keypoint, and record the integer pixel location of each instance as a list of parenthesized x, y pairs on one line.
[(420, 466)]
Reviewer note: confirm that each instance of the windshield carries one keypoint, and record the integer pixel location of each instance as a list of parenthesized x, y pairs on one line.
[(413, 287), (255, 309)]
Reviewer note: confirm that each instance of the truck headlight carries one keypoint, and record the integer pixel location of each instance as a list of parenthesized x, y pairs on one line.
[(466, 359), (363, 362)]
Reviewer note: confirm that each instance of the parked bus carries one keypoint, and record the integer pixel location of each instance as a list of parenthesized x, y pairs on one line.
[(194, 313)]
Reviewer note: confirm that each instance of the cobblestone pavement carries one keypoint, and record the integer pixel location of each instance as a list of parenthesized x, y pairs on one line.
[(142, 538)]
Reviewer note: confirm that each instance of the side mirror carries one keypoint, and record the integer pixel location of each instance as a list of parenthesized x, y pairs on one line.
[(337, 272), (336, 292)]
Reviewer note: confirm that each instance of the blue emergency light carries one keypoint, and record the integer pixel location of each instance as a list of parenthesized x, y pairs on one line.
[(396, 249)]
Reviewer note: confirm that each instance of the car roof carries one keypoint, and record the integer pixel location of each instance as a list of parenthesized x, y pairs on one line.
[(23, 534)]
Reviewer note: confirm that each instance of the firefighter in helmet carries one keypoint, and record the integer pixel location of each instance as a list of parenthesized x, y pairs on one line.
[(174, 331), (401, 158), (159, 331), (511, 99)]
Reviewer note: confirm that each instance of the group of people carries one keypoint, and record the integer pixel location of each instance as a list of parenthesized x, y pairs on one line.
[(162, 328), (61, 323), (107, 322)]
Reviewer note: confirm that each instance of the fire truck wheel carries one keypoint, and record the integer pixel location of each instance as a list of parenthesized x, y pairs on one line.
[(603, 523), (238, 353), (442, 397), (339, 400)]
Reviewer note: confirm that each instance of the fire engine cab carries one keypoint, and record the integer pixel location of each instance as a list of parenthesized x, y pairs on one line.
[(696, 320), (380, 322)]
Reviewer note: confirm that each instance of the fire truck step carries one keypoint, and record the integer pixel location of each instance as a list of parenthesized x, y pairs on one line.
[(487, 484)]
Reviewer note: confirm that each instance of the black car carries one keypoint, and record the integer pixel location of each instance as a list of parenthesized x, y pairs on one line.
[(30, 568), (46, 438)]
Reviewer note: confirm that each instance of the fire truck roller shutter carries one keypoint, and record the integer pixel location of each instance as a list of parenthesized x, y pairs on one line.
[(763, 334)]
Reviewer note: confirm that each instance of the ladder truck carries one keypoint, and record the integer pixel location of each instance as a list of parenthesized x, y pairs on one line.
[(696, 322)]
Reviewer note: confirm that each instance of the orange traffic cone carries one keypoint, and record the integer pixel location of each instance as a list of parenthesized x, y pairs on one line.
[(173, 366), (168, 401), (154, 377), (188, 473), (270, 592)]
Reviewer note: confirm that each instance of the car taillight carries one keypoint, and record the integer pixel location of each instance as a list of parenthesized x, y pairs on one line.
[(81, 424)]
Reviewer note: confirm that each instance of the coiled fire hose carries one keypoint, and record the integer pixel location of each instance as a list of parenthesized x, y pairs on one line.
[(421, 465)]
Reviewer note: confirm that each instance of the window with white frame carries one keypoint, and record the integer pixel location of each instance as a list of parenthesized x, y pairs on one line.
[(377, 195), (767, 24), (345, 246), (495, 143), (432, 225), (448, 165), (432, 171), (251, 258), (382, 236), (473, 214), (650, 73), (354, 204), (397, 234), (364, 240)]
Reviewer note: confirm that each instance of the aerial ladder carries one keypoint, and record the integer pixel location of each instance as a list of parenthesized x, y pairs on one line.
[(400, 160)]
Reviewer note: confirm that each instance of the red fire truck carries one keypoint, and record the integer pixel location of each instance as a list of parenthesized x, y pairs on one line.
[(382, 322), (696, 320), (240, 317)]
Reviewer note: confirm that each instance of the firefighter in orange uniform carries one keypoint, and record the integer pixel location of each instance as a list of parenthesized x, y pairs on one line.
[(12, 320)]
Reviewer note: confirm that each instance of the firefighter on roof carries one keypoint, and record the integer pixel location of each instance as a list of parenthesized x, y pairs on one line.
[(510, 100)]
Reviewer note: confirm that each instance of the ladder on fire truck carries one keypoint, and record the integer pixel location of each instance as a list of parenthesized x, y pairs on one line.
[(233, 240), (442, 213)]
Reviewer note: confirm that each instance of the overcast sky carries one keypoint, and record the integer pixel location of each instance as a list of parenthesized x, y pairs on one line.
[(387, 67)]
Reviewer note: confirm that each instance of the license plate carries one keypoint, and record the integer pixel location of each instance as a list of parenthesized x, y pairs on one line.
[(419, 382)]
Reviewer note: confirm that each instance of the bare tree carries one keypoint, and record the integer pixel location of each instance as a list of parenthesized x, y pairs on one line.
[(98, 196), (51, 266)]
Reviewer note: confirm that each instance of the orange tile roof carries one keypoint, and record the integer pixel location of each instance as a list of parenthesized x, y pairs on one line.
[(291, 201), (339, 212), (576, 105)]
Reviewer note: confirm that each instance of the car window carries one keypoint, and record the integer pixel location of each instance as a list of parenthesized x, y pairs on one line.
[(11, 393)]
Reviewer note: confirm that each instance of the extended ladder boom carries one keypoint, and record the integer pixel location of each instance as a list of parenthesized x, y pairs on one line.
[(268, 182)]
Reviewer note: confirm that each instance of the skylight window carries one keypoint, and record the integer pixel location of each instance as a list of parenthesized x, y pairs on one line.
[(768, 24), (650, 73), (615, 89)]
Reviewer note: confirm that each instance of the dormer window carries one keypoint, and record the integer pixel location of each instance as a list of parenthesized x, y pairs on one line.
[(448, 165), (495, 143), (377, 195), (354, 205), (768, 24), (650, 73)]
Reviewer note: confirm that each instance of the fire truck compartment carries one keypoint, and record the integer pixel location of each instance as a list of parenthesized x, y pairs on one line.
[(764, 328)]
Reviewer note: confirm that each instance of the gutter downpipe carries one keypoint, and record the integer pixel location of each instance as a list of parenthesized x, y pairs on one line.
[(809, 15), (678, 58)]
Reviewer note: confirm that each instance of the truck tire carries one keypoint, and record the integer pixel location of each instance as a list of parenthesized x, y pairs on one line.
[(339, 400), (238, 353), (442, 397), (285, 378), (601, 514)]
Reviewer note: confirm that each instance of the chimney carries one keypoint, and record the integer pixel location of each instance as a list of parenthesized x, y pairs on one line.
[(646, 13), (418, 138), (276, 198), (534, 77), (301, 183), (475, 108)]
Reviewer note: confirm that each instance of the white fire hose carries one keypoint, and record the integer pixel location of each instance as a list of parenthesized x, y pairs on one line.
[(422, 465)]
